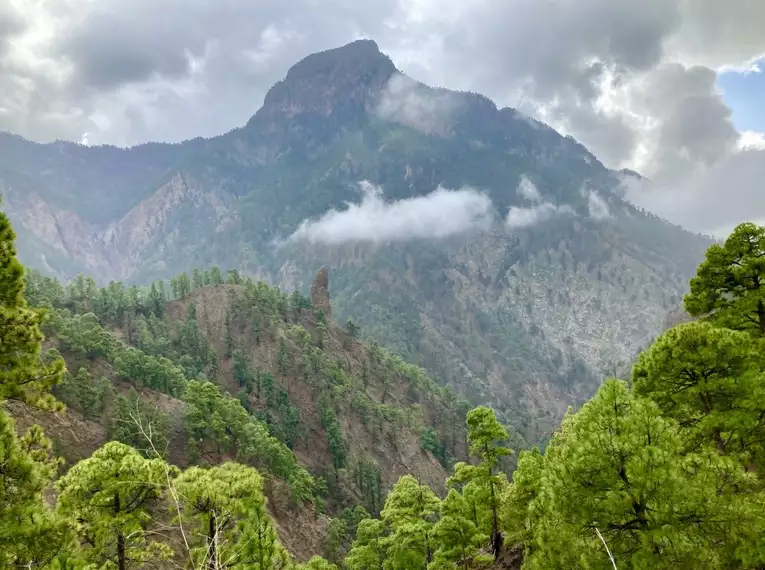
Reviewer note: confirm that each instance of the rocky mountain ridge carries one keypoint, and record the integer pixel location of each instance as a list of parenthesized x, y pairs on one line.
[(527, 315)]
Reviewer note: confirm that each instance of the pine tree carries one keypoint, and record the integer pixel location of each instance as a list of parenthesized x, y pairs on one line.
[(197, 279), (410, 512), (110, 494), (30, 534), (351, 328), (517, 514), (619, 468), (458, 538), (485, 434), (283, 358), (729, 286), (229, 326), (708, 379), (473, 483), (157, 299), (83, 394), (184, 285), (234, 530), (133, 422), (369, 550), (317, 563), (337, 534), (215, 277), (233, 277), (25, 373), (258, 546)]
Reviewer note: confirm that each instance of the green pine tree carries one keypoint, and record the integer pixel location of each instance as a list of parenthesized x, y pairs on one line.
[(30, 534), (111, 495), (317, 563), (410, 511), (370, 549), (729, 286), (233, 528), (459, 539), (708, 379), (619, 468), (485, 434), (25, 373)]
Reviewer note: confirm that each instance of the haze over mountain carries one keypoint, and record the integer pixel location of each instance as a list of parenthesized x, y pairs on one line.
[(473, 240)]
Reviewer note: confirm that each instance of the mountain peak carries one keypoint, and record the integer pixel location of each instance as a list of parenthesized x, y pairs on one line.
[(357, 54), (343, 77)]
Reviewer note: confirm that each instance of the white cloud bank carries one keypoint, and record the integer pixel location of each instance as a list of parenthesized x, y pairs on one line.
[(540, 211), (712, 200), (597, 206), (440, 214), (410, 103)]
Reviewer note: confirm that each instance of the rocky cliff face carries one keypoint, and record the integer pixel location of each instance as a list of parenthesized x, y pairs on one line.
[(320, 292), (526, 317)]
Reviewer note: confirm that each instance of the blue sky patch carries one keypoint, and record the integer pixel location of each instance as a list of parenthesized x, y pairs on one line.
[(745, 94)]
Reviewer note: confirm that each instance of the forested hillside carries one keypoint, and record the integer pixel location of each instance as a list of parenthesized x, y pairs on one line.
[(471, 240), (231, 368), (661, 471)]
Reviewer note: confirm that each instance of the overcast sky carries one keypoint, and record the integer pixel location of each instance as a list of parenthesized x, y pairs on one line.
[(672, 88)]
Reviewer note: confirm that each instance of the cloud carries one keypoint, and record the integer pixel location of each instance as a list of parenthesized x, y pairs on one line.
[(527, 190), (597, 206), (751, 140), (711, 200), (719, 34), (110, 48), (416, 105), (691, 124), (440, 214), (519, 217), (633, 80), (11, 24), (171, 70)]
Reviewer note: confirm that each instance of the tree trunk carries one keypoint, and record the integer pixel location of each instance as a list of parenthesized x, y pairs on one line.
[(211, 535), (121, 555), (496, 536), (761, 317)]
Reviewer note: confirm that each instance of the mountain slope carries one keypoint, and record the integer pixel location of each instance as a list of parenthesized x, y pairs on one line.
[(355, 416), (564, 281)]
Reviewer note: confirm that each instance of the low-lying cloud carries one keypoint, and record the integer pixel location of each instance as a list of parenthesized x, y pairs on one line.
[(539, 211), (440, 214), (527, 190), (597, 206), (698, 202), (416, 105)]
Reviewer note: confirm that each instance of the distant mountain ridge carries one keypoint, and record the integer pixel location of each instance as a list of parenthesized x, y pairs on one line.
[(526, 317)]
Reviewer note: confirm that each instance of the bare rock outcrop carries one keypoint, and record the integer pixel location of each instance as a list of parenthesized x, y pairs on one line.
[(320, 292)]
